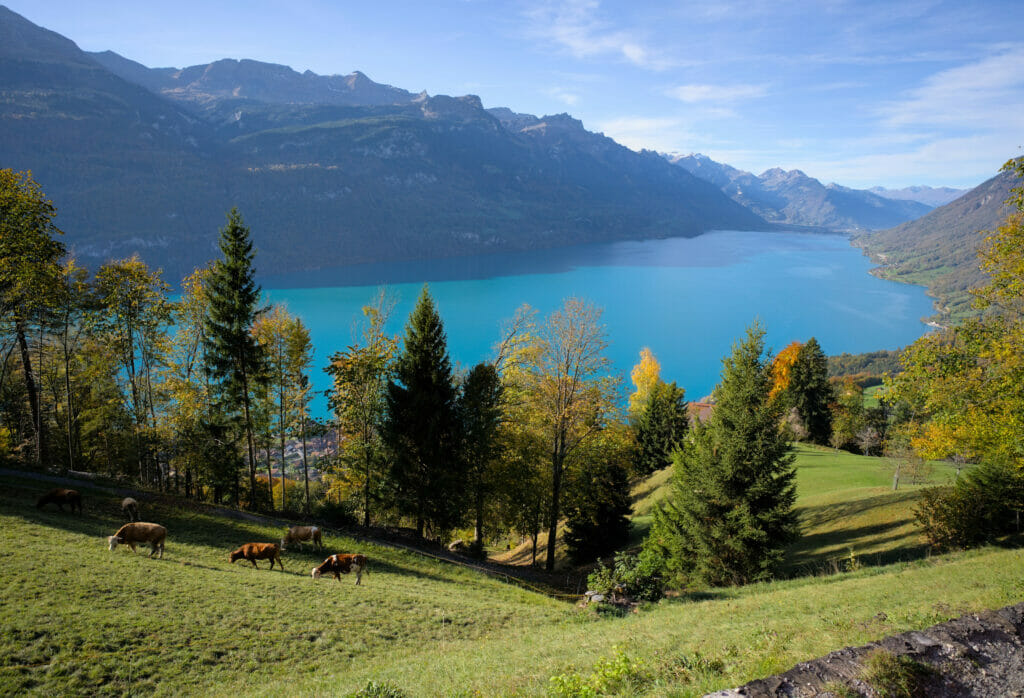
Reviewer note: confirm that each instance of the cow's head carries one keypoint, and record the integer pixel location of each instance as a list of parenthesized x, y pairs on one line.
[(235, 555), (114, 541), (316, 573)]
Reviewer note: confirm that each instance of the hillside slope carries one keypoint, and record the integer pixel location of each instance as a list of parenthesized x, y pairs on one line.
[(940, 249), (326, 170), (77, 619)]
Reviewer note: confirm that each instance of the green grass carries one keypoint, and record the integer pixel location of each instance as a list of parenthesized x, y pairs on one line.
[(690, 646), (872, 395), (76, 618)]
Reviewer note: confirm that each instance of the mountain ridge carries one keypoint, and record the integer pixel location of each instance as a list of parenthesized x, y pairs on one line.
[(793, 197), (132, 170)]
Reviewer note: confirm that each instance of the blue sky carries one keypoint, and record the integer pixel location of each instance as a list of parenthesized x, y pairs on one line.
[(860, 92)]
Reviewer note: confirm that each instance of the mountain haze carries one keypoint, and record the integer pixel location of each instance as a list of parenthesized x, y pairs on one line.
[(326, 170), (929, 196), (791, 197)]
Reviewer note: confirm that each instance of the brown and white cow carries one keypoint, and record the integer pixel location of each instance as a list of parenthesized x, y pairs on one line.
[(258, 551), (342, 564), (60, 497), (140, 532), (302, 534)]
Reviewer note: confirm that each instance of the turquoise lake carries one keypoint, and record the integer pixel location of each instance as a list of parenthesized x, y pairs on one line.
[(688, 299)]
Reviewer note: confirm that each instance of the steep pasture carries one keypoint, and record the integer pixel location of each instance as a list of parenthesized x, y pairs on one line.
[(76, 618), (845, 503), (690, 645)]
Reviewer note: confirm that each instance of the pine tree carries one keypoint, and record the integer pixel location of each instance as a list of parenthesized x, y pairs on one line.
[(233, 357), (730, 513), (480, 416), (661, 425), (810, 392), (421, 424)]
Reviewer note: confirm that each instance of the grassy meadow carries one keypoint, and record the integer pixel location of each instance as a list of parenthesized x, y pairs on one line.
[(76, 618)]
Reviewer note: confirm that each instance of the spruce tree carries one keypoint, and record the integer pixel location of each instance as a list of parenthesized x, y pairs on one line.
[(730, 512), (421, 428), (480, 414), (810, 392), (234, 359), (660, 428)]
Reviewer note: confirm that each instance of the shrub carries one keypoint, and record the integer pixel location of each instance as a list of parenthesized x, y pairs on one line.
[(609, 677), (637, 576), (981, 506), (337, 514)]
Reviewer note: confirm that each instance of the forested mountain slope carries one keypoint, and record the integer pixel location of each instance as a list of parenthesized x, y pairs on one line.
[(327, 171), (940, 250)]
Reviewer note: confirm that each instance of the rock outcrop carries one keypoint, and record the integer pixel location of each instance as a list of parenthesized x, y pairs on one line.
[(979, 654)]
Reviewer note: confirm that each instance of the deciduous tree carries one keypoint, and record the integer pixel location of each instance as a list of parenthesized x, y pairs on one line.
[(359, 399), (29, 273), (567, 380)]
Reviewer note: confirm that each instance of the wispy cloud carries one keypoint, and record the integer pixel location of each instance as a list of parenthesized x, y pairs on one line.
[(717, 94), (563, 95), (987, 94), (576, 26), (664, 134), (940, 161)]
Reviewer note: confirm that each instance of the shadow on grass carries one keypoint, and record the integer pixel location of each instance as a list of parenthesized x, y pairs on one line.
[(820, 515), (102, 517)]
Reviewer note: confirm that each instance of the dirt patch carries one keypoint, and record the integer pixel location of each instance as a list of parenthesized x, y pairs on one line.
[(979, 654)]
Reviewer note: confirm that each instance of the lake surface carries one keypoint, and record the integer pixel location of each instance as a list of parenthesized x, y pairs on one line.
[(688, 299)]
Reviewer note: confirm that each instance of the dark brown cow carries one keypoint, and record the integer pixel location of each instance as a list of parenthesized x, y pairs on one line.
[(258, 551), (342, 564), (60, 497)]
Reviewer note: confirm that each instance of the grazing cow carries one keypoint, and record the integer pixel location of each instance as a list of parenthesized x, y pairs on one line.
[(130, 508), (258, 551), (60, 497), (342, 564), (140, 532), (302, 534)]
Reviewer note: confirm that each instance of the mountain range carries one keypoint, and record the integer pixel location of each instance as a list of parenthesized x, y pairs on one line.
[(930, 196), (791, 197), (940, 250), (326, 170)]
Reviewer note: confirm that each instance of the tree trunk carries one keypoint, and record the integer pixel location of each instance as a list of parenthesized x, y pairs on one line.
[(366, 489), (305, 464), (250, 442), (478, 532), (283, 475), (68, 402), (557, 463), (33, 394), (270, 473)]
